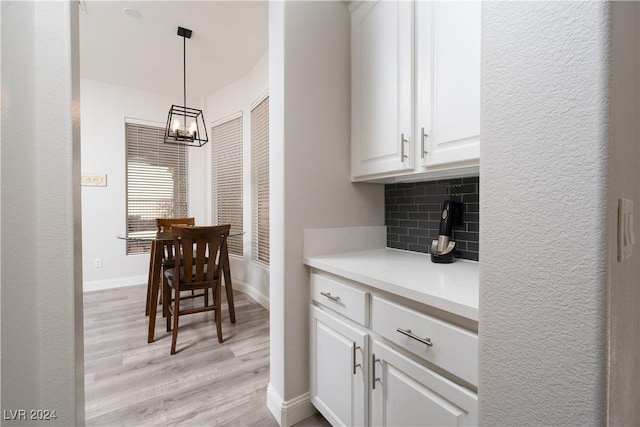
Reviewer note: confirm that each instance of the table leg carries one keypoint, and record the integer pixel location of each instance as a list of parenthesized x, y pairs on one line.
[(226, 269), (155, 285), (150, 279)]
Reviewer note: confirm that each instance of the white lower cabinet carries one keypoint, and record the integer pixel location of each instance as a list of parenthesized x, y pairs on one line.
[(338, 370), (405, 393), (380, 374)]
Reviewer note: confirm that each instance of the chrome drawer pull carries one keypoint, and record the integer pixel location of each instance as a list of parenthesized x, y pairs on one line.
[(373, 368), (408, 333), (331, 297), (354, 348), (422, 137), (402, 142)]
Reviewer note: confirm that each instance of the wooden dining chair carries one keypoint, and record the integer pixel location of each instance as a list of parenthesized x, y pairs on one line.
[(164, 224), (155, 272), (197, 267)]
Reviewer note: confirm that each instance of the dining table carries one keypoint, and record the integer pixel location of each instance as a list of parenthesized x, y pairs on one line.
[(161, 241)]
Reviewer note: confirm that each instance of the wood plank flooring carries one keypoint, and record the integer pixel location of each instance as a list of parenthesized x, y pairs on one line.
[(131, 383)]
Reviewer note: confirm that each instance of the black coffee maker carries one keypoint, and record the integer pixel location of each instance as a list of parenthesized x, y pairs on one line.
[(442, 250)]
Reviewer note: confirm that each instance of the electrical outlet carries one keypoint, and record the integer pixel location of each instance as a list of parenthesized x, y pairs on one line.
[(97, 263)]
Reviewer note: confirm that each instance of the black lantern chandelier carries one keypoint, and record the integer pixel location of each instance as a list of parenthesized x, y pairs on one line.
[(185, 126)]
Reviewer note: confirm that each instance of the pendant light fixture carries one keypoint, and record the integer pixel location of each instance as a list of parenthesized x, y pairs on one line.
[(185, 126)]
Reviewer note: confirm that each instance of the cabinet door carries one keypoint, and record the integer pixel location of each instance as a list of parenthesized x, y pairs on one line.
[(448, 81), (338, 370), (408, 394), (381, 82)]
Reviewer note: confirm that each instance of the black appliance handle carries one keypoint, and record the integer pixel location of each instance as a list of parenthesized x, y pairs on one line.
[(447, 218)]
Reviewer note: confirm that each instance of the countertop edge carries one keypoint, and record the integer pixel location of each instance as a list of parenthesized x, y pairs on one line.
[(423, 298)]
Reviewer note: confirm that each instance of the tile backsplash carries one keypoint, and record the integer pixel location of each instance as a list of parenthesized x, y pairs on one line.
[(412, 214)]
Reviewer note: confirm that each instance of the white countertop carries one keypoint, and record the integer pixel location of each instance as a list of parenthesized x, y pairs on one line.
[(450, 287)]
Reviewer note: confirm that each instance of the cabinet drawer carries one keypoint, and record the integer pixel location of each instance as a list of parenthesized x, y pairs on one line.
[(409, 394), (452, 348), (343, 298)]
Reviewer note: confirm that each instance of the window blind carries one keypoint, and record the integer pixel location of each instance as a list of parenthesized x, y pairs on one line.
[(156, 181), (260, 182), (226, 163)]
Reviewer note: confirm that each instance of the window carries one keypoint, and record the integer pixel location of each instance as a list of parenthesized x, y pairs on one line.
[(156, 181), (226, 173), (260, 181)]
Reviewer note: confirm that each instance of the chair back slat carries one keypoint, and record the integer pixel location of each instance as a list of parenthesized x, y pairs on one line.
[(213, 256), (201, 249), (184, 251)]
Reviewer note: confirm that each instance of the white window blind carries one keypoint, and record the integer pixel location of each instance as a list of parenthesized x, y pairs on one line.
[(226, 164), (260, 173), (156, 181)]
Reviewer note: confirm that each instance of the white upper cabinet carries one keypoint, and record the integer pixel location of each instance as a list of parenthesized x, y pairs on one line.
[(381, 71), (415, 86), (448, 81)]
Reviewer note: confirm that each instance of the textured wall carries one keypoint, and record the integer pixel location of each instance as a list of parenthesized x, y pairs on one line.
[(20, 355), (543, 206), (42, 352)]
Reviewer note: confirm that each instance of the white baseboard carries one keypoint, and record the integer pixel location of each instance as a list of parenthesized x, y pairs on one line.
[(97, 285), (274, 403), (290, 412), (252, 292)]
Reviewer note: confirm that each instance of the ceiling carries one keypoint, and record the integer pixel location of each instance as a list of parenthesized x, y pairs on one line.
[(146, 52)]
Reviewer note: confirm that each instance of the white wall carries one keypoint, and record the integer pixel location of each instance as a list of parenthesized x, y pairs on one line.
[(240, 96), (309, 48), (103, 108), (42, 352), (554, 160)]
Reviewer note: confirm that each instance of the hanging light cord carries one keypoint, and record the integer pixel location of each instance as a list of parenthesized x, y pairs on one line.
[(184, 76)]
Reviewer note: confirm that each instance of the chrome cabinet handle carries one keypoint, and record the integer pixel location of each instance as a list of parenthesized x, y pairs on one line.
[(423, 135), (354, 348), (331, 297), (373, 364), (408, 333), (402, 142)]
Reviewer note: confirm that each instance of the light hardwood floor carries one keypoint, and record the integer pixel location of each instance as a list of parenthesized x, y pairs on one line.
[(131, 383)]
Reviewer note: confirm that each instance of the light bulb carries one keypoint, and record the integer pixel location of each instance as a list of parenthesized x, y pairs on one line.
[(192, 128), (176, 125)]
